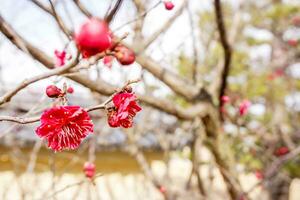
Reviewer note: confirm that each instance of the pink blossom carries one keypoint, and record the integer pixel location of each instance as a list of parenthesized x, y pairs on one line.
[(244, 107)]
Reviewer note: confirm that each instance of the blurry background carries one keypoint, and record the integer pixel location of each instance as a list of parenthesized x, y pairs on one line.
[(165, 155)]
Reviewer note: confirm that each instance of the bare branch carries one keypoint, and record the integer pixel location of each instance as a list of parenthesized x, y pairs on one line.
[(82, 8), (226, 48), (60, 22), (164, 27), (138, 17), (58, 71), (20, 120), (113, 12)]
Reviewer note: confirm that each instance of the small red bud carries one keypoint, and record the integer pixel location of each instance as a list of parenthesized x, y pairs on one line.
[(89, 169), (162, 189), (259, 175), (281, 151), (296, 20), (70, 90), (169, 5), (225, 99), (52, 91), (107, 60), (124, 55), (293, 42)]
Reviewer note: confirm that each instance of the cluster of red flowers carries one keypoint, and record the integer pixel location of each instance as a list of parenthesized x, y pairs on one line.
[(64, 127), (243, 107), (124, 109)]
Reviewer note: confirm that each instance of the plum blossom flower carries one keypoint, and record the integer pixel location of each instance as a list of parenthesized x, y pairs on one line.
[(244, 107), (64, 127), (125, 108)]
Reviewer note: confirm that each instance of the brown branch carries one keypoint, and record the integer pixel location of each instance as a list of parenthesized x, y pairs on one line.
[(194, 44), (58, 71), (138, 17), (164, 27), (277, 164), (82, 8), (60, 23), (178, 84), (67, 187), (113, 12), (226, 48), (20, 120)]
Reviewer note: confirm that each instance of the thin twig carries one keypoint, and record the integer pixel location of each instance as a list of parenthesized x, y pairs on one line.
[(60, 23), (7, 97), (138, 17), (67, 187)]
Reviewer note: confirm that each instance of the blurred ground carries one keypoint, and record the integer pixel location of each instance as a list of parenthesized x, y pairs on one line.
[(119, 186)]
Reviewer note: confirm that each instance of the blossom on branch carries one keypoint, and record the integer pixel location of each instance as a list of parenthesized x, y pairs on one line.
[(244, 107), (125, 108), (64, 127), (93, 37)]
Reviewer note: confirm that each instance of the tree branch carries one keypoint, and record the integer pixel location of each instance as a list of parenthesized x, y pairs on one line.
[(226, 48), (113, 12)]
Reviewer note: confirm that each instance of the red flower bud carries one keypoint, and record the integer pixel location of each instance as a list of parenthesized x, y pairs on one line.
[(225, 99), (169, 5), (107, 60), (244, 107), (70, 90), (124, 55), (89, 169), (296, 20), (259, 175), (281, 151), (162, 189), (52, 91), (93, 37), (293, 42)]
